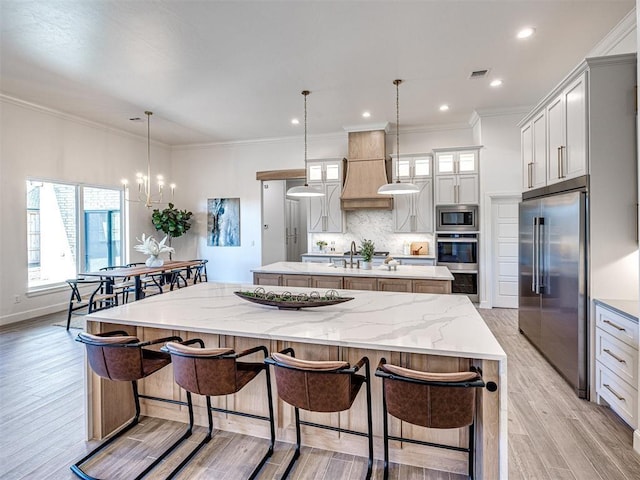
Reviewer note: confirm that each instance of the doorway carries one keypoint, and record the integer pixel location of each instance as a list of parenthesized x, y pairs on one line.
[(284, 222), (504, 214)]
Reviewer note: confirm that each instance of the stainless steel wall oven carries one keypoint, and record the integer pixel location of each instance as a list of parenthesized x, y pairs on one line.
[(459, 252)]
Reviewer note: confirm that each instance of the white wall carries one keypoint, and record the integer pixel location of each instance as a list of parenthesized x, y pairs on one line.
[(36, 142), (500, 173)]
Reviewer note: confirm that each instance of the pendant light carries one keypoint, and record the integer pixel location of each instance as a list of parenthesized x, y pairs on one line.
[(305, 190), (398, 188)]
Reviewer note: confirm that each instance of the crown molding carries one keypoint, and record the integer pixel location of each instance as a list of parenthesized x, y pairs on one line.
[(367, 127), (260, 141), (75, 119), (611, 40)]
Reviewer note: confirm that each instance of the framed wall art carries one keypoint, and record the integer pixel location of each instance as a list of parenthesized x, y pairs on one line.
[(223, 222)]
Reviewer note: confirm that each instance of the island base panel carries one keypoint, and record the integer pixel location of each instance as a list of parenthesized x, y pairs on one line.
[(112, 405)]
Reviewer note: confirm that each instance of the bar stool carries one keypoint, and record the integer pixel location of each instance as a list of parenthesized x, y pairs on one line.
[(215, 372), (321, 386), (433, 400), (122, 357)]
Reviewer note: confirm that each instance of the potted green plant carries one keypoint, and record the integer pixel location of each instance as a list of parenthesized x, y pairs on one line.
[(367, 247), (171, 221)]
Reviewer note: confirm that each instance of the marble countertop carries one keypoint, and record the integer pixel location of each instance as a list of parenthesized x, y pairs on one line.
[(417, 323), (403, 271), (339, 254), (628, 308)]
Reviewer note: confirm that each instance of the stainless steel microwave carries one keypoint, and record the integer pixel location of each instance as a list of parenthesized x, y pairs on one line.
[(457, 218)]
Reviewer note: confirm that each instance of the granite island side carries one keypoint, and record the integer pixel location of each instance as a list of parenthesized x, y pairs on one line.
[(421, 331)]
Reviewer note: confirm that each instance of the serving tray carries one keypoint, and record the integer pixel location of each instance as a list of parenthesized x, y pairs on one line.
[(292, 301)]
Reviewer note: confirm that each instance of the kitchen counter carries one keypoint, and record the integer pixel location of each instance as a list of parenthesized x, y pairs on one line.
[(394, 255), (442, 332), (403, 271), (628, 308)]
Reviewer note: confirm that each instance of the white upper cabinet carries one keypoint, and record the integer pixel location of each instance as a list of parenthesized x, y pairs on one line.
[(456, 176), (567, 133), (324, 170), (534, 152), (325, 214), (414, 213)]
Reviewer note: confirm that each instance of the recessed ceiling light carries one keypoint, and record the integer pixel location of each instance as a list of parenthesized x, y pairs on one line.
[(496, 83), (295, 121), (526, 32), (366, 114), (444, 108)]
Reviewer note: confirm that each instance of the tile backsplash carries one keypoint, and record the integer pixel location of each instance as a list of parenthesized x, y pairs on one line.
[(376, 225)]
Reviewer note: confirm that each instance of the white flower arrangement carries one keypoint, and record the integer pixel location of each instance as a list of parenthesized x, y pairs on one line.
[(149, 246)]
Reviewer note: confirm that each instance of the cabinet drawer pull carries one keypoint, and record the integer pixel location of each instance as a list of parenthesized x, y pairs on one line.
[(559, 162), (622, 399), (617, 327), (621, 360)]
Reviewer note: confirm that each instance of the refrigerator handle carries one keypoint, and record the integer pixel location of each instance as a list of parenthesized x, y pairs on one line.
[(534, 256), (540, 260)]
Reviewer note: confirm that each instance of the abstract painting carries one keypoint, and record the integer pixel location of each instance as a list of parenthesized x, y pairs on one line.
[(223, 222)]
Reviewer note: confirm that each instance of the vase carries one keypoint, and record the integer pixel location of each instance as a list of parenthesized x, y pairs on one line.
[(154, 261), (365, 265)]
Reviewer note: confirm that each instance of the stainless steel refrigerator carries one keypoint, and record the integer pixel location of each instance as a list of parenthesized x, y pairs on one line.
[(553, 311)]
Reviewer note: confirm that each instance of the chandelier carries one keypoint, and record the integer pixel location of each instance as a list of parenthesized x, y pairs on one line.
[(398, 188), (146, 193), (305, 190)]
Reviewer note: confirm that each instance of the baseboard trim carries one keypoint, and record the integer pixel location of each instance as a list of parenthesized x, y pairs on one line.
[(29, 314), (485, 304), (636, 440)]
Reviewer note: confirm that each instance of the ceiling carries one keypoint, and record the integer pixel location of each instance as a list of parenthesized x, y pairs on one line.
[(214, 71)]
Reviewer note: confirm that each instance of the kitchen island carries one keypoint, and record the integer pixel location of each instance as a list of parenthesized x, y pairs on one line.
[(422, 331), (404, 278)]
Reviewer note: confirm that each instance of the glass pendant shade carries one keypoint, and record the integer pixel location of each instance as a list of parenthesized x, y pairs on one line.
[(305, 190), (398, 188)]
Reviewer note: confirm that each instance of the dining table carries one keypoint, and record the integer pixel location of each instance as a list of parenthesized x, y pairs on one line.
[(139, 271)]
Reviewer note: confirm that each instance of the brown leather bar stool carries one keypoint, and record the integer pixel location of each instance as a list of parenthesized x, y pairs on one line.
[(214, 372), (321, 386), (433, 400), (122, 357)]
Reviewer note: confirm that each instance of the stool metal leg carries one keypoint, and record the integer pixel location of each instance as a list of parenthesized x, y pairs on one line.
[(204, 441), (296, 453), (471, 450), (369, 421), (385, 432), (272, 428), (75, 468)]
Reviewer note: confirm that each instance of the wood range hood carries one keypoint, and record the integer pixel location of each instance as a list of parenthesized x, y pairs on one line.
[(367, 170)]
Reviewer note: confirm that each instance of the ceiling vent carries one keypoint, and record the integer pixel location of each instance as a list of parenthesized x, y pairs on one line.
[(478, 74)]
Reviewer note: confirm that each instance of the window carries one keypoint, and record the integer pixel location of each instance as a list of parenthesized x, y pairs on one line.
[(66, 235)]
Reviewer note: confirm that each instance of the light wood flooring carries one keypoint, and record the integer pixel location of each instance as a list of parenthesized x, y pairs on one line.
[(552, 434)]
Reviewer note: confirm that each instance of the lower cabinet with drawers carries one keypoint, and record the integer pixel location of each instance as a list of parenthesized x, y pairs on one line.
[(616, 352)]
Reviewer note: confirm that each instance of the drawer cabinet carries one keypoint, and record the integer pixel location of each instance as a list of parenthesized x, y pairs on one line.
[(270, 279), (360, 283), (394, 285), (322, 281), (431, 286), (617, 363)]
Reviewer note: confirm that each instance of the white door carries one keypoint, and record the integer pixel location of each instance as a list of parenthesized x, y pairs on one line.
[(445, 186), (575, 154), (505, 252)]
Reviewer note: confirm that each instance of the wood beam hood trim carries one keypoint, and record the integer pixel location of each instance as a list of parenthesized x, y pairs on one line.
[(367, 170), (292, 174)]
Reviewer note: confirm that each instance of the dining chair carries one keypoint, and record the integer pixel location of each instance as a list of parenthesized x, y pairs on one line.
[(90, 294), (122, 286)]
